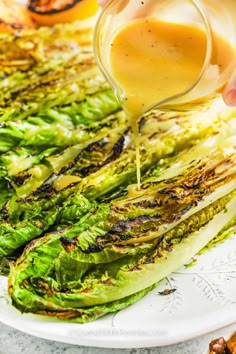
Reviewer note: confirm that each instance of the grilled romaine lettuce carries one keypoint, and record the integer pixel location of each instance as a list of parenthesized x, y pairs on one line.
[(60, 126), (49, 280), (31, 222), (26, 52), (126, 245), (67, 164), (97, 168)]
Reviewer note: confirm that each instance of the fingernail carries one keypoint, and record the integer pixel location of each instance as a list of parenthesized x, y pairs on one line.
[(231, 98), (102, 2)]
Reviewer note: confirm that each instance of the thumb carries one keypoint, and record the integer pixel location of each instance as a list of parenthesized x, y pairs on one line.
[(102, 2), (229, 92)]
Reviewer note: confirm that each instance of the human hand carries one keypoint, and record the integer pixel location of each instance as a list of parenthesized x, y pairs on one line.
[(229, 92), (102, 2)]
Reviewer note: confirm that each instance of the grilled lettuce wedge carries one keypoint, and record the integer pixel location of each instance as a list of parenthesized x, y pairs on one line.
[(122, 247), (67, 168), (100, 168)]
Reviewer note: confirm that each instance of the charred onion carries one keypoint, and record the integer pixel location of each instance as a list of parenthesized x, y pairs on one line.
[(49, 12)]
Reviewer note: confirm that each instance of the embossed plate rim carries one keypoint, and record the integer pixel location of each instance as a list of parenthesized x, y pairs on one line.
[(146, 324)]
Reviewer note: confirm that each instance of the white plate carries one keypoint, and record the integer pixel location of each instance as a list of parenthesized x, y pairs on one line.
[(204, 300)]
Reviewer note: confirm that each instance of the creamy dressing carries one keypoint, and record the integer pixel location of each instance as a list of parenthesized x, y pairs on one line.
[(135, 128), (154, 60), (64, 181)]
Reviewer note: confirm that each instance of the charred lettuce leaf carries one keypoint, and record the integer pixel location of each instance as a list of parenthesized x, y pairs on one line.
[(67, 181), (126, 245), (95, 169), (60, 126)]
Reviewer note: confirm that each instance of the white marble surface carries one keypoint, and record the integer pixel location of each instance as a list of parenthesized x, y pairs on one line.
[(15, 342)]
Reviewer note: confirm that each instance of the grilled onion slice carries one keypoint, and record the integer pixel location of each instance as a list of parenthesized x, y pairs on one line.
[(50, 12)]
